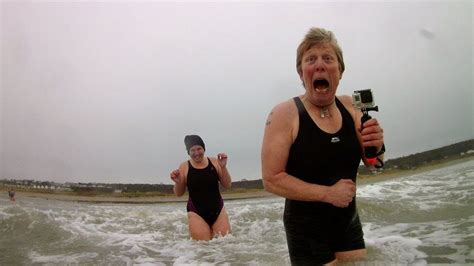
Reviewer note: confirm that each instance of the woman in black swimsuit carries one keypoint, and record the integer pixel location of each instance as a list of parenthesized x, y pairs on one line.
[(311, 151), (201, 176)]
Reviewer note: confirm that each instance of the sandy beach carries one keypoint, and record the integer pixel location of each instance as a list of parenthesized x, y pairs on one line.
[(107, 198)]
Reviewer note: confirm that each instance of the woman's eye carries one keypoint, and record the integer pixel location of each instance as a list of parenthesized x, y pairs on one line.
[(311, 59), (328, 58)]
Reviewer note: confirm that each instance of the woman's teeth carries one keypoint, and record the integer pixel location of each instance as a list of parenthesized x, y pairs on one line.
[(321, 85)]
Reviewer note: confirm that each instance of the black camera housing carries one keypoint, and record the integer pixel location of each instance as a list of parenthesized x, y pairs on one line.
[(363, 99)]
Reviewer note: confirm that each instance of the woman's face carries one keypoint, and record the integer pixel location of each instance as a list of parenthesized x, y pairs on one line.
[(196, 153), (320, 74)]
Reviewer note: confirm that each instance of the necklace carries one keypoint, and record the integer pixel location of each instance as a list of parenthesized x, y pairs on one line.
[(324, 112)]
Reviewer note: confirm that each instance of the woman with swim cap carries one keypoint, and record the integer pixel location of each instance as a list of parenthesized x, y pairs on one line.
[(201, 176)]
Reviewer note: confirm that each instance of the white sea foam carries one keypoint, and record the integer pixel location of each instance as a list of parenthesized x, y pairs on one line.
[(438, 199), (61, 259), (416, 220), (446, 187), (391, 244), (402, 242), (6, 212)]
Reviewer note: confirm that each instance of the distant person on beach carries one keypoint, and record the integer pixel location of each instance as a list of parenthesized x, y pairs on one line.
[(11, 194), (201, 176), (311, 150)]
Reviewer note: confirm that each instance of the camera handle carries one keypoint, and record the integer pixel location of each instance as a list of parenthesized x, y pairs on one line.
[(370, 152)]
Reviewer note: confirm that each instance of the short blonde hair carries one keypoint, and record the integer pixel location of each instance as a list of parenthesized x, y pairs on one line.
[(318, 36)]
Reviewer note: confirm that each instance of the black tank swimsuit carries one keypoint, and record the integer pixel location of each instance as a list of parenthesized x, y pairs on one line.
[(204, 196), (315, 230)]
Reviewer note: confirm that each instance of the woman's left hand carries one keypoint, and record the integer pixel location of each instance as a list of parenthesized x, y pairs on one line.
[(372, 134), (222, 159)]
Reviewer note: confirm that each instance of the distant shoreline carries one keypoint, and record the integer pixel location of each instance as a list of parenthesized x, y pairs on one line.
[(253, 193), (393, 173), (130, 200)]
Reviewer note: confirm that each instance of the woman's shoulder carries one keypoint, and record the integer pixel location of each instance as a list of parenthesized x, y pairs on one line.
[(346, 100), (288, 104), (184, 165), (285, 110), (213, 160)]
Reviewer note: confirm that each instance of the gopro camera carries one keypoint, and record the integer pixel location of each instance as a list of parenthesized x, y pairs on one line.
[(364, 100)]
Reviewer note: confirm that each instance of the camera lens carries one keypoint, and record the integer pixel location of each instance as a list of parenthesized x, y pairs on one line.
[(366, 96)]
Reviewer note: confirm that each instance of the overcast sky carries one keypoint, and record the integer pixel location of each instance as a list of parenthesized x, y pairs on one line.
[(106, 92)]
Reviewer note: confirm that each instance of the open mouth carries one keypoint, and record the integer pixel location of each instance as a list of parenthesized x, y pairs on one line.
[(321, 84)]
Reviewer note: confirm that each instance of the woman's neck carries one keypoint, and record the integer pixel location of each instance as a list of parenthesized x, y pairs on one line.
[(200, 164), (323, 112)]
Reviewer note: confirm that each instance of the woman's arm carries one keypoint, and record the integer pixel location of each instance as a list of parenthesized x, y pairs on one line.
[(179, 176), (224, 175)]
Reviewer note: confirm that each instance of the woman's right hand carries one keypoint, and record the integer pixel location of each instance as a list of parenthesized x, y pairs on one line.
[(342, 193), (176, 176)]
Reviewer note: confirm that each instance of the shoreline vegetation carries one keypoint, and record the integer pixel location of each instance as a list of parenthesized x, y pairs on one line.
[(419, 163)]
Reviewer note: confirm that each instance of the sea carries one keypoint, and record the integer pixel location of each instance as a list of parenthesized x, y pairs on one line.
[(419, 219)]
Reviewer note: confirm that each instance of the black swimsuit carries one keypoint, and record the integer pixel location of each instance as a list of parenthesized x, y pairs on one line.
[(204, 196), (315, 230)]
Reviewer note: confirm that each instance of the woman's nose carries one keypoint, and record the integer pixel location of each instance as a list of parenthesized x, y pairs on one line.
[(319, 66)]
